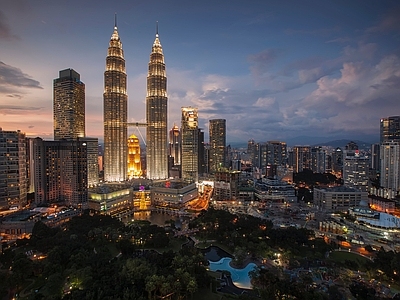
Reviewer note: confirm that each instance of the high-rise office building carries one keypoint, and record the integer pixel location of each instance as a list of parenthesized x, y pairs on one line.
[(175, 144), (156, 115), (115, 112), (134, 162), (206, 157), (390, 129), (390, 165), (68, 105), (301, 158), (61, 170), (202, 162), (13, 167), (375, 157), (251, 151), (217, 144), (92, 147), (190, 144)]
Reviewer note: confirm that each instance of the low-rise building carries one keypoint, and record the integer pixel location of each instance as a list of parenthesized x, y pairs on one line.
[(173, 194), (274, 190), (338, 198), (381, 204), (61, 217), (110, 198), (18, 225)]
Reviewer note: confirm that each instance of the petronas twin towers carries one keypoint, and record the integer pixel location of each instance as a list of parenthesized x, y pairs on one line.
[(116, 113)]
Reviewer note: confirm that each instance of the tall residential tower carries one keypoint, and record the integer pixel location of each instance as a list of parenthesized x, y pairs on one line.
[(115, 112), (68, 105), (217, 145), (390, 165), (13, 177), (390, 129), (156, 115)]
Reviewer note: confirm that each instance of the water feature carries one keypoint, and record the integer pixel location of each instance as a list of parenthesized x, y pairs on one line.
[(220, 260), (240, 277)]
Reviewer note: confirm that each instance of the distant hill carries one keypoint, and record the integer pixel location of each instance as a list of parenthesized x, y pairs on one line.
[(342, 144), (341, 141), (314, 142)]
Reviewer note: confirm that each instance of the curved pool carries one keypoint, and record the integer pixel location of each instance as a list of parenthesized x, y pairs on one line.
[(240, 277)]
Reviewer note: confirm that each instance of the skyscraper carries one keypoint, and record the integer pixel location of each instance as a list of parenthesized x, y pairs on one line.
[(115, 112), (175, 144), (390, 165), (92, 146), (190, 144), (61, 170), (390, 129), (318, 160), (217, 144), (375, 157), (251, 152), (13, 177), (356, 170), (301, 158), (202, 151), (156, 115), (271, 153), (337, 161), (68, 105)]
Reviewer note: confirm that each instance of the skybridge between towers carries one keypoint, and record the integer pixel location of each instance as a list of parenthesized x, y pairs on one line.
[(137, 125)]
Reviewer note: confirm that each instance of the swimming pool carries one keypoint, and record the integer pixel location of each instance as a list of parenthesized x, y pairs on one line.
[(240, 277)]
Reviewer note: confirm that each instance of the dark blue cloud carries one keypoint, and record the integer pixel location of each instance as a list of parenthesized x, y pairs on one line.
[(12, 77)]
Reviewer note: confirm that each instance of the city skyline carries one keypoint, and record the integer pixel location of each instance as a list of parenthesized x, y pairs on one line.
[(273, 70)]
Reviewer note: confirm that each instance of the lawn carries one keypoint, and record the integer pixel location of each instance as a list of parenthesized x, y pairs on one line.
[(342, 256)]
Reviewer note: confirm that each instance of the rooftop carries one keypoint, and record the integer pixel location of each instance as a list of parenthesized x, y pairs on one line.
[(340, 188), (109, 188), (20, 216)]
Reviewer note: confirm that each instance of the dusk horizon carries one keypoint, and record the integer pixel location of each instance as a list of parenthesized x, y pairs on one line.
[(274, 71)]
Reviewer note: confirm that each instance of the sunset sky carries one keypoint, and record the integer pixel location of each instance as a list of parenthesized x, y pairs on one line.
[(275, 70)]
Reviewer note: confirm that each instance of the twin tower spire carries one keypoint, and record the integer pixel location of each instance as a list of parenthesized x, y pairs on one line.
[(115, 101)]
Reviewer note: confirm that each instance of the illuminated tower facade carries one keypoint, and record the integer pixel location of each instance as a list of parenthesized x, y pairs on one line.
[(301, 158), (134, 164), (390, 129), (156, 115), (68, 105), (13, 166), (175, 144), (217, 144), (390, 165), (190, 144), (115, 112)]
